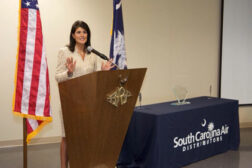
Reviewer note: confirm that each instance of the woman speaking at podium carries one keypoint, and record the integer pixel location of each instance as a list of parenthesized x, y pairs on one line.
[(75, 60)]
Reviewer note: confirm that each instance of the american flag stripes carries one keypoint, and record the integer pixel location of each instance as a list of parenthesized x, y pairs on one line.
[(31, 98), (117, 46)]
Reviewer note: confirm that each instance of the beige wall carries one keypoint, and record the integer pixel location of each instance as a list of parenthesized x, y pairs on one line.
[(177, 40)]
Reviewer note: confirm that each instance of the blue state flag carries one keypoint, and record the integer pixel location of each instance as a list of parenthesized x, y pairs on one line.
[(117, 46)]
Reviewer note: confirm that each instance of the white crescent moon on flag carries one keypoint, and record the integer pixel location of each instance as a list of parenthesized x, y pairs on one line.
[(118, 5)]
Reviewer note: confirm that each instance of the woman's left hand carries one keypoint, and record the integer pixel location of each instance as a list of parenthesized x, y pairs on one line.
[(107, 66)]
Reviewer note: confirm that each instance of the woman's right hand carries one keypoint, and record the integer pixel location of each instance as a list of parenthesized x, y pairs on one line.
[(70, 64)]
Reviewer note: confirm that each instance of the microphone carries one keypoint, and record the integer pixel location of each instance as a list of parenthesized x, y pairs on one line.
[(90, 49), (140, 99)]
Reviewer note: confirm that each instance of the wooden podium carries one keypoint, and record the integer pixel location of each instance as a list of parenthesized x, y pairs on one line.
[(95, 129)]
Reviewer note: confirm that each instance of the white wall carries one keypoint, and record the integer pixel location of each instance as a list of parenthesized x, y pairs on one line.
[(177, 40)]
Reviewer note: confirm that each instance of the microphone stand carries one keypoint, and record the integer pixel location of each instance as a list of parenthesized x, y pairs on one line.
[(102, 56), (117, 67)]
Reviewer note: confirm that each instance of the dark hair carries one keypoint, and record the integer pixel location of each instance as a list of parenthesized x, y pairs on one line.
[(72, 41)]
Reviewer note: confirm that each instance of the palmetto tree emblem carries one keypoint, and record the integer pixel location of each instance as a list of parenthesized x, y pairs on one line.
[(210, 126)]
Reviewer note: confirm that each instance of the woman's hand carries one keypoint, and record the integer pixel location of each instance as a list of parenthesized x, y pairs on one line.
[(70, 64), (108, 65)]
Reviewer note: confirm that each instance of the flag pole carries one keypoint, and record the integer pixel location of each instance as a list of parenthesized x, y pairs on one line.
[(24, 143)]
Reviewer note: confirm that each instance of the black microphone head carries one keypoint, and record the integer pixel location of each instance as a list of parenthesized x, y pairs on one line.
[(89, 49)]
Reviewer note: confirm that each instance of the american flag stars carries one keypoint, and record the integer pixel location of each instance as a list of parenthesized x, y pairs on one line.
[(32, 4), (27, 4)]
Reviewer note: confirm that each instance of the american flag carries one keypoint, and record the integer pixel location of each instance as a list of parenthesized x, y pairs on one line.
[(31, 98), (117, 46)]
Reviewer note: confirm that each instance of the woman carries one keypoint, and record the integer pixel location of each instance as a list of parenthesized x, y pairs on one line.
[(74, 60)]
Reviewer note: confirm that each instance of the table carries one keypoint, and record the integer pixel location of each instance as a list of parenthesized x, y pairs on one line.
[(167, 136)]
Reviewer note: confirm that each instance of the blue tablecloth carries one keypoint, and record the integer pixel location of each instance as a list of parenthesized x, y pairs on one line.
[(167, 136)]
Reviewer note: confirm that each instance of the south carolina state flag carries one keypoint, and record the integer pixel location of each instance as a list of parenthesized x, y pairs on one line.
[(31, 98), (117, 46)]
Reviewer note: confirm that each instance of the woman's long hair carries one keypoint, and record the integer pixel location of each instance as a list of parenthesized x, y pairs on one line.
[(72, 41)]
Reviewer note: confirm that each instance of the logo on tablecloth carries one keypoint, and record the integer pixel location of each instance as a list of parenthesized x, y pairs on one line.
[(201, 138), (210, 126), (203, 124)]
